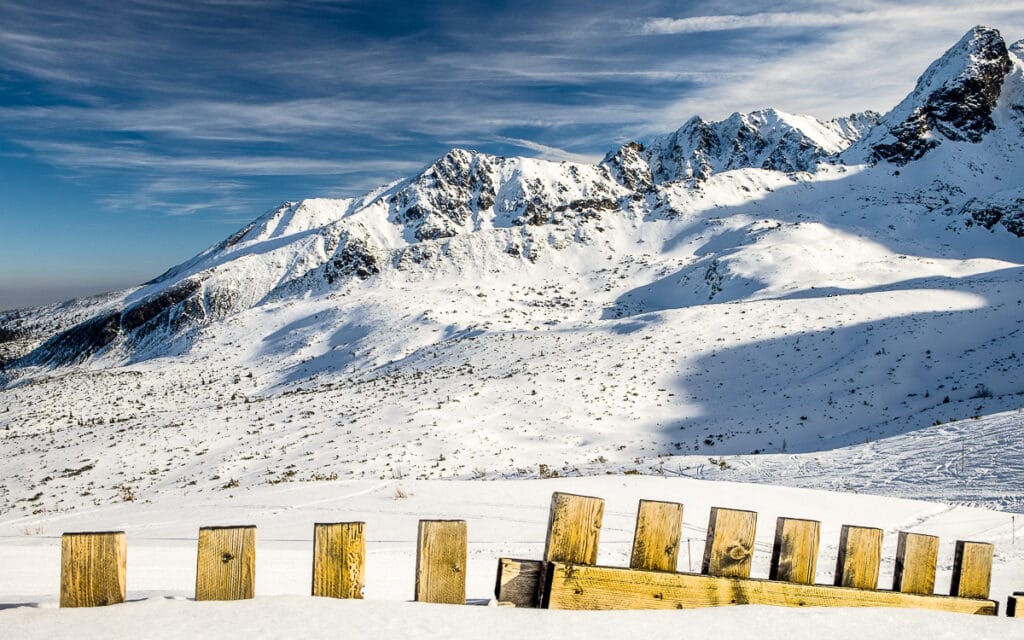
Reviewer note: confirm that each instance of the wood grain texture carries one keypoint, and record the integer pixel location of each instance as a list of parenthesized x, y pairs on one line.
[(519, 582), (860, 556), (570, 586), (574, 528), (659, 528), (226, 563), (92, 568), (441, 551), (795, 550), (972, 569), (1015, 605), (339, 559), (730, 544), (916, 557)]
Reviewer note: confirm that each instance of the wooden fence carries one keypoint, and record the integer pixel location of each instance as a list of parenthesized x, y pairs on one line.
[(93, 565)]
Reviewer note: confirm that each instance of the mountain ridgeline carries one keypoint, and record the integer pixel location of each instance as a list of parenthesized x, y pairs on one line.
[(949, 151)]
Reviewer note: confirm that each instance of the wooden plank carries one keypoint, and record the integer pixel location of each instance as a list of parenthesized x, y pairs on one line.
[(441, 551), (574, 528), (92, 568), (1015, 605), (519, 582), (972, 569), (339, 559), (916, 556), (795, 551), (569, 586), (226, 563), (860, 556), (659, 528), (730, 544)]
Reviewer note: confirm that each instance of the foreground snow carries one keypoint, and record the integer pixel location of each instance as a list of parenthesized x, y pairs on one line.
[(505, 518)]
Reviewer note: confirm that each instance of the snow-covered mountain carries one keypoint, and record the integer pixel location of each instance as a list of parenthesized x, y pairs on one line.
[(767, 283)]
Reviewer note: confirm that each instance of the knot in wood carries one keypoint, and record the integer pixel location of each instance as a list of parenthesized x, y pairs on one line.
[(226, 557), (737, 552)]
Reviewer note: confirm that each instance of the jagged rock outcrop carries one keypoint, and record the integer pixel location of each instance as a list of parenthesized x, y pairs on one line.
[(1004, 208), (767, 139), (953, 100)]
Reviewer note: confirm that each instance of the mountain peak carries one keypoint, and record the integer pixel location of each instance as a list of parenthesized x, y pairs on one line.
[(953, 100)]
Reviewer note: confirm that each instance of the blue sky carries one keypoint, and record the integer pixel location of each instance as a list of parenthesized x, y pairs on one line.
[(134, 134)]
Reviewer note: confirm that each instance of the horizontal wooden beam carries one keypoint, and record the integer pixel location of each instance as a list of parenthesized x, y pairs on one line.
[(570, 586)]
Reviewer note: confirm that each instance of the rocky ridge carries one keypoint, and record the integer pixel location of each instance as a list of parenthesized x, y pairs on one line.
[(475, 210)]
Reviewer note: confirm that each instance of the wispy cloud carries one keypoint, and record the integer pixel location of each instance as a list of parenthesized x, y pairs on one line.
[(547, 152)]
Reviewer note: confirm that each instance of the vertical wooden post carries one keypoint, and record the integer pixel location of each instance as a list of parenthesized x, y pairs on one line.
[(916, 556), (860, 555), (441, 550), (972, 569), (659, 527), (730, 545), (795, 551), (226, 563), (92, 568), (339, 559), (574, 528)]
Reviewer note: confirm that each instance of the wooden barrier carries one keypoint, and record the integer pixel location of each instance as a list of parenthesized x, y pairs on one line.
[(916, 557), (93, 565), (650, 582), (795, 551), (659, 527), (972, 569), (226, 563), (339, 559), (441, 551), (860, 556), (92, 568)]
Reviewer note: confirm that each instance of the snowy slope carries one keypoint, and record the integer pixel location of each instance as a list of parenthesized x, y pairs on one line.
[(763, 285)]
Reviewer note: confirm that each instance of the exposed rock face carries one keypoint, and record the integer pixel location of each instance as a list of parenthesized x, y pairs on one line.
[(766, 139), (953, 99), (1006, 209), (441, 200)]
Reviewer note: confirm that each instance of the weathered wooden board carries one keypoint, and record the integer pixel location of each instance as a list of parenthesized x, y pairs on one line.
[(339, 559), (519, 582), (441, 552), (574, 528), (730, 544), (92, 568), (659, 528), (916, 556), (795, 551), (226, 563), (972, 569), (569, 586), (860, 556)]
